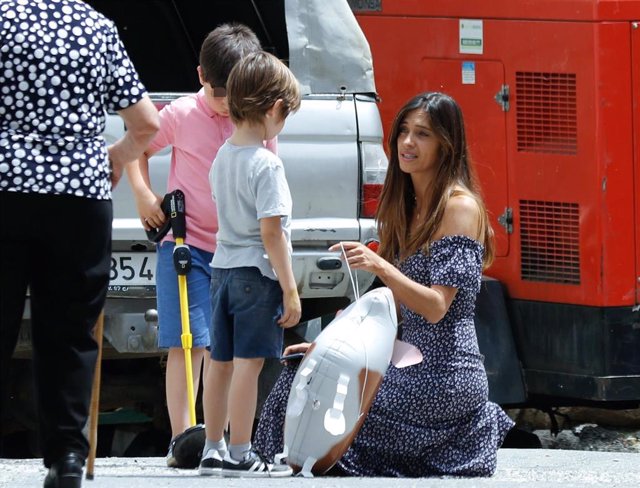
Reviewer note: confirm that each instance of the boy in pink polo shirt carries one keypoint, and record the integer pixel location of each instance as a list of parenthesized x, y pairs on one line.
[(195, 126)]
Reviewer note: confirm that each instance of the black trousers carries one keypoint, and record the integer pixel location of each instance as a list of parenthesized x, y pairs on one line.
[(60, 248)]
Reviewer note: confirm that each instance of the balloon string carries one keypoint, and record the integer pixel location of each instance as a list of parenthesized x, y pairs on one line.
[(354, 282), (356, 291)]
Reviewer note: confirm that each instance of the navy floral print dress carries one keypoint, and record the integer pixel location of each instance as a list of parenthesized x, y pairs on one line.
[(433, 418)]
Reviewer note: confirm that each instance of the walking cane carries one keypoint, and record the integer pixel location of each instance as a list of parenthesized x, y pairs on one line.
[(94, 408), (182, 264)]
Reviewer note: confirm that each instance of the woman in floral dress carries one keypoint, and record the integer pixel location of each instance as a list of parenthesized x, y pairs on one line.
[(432, 418)]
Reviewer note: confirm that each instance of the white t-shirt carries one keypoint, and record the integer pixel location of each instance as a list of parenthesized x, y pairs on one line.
[(247, 183)]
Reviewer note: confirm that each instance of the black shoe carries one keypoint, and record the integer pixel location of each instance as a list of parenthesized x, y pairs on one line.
[(211, 464), (253, 466), (66, 472), (187, 447)]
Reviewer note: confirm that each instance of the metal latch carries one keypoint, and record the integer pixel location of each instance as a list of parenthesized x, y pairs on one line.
[(502, 97), (506, 220)]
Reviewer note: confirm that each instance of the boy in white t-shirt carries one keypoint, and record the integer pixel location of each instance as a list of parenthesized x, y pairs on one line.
[(253, 290)]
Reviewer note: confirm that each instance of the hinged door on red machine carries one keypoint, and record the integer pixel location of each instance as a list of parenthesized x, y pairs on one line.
[(479, 89)]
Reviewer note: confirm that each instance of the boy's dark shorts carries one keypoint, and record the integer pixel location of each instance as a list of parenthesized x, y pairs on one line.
[(245, 308)]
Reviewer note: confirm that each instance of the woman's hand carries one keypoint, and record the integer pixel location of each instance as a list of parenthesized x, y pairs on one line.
[(360, 256), (294, 348)]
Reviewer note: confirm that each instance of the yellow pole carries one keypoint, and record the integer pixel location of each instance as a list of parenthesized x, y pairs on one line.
[(187, 339)]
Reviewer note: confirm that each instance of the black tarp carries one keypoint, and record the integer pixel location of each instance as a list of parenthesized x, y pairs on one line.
[(163, 37)]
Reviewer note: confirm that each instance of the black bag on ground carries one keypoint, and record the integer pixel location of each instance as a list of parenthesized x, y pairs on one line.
[(188, 446)]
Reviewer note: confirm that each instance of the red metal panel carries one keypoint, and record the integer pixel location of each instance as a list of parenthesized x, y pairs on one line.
[(564, 10), (614, 131), (587, 184), (545, 179)]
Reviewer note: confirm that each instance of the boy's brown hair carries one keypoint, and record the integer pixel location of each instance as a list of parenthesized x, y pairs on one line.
[(256, 83), (223, 48)]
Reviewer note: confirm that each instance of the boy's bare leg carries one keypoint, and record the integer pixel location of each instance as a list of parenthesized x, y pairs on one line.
[(214, 397), (176, 390), (243, 398)]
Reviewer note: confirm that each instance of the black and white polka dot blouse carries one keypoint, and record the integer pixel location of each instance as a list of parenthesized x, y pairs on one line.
[(62, 65)]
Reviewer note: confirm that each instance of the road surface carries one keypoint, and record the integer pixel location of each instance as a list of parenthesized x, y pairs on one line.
[(517, 468)]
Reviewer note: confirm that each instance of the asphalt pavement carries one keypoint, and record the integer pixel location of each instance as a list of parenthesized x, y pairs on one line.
[(517, 468)]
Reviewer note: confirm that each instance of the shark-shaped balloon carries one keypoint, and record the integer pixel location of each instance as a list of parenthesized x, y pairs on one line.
[(337, 381)]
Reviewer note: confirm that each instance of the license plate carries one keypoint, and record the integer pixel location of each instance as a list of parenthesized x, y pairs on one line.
[(132, 269)]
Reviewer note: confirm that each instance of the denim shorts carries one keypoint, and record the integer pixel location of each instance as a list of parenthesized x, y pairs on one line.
[(245, 308), (198, 282)]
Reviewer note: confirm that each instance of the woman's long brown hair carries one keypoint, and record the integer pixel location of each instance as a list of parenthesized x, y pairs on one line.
[(454, 170)]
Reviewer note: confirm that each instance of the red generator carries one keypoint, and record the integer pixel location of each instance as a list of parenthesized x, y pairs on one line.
[(550, 91)]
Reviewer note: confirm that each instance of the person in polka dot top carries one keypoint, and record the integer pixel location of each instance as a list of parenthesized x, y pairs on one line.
[(62, 66)]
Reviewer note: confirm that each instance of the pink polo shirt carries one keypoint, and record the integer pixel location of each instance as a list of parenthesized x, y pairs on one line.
[(196, 133)]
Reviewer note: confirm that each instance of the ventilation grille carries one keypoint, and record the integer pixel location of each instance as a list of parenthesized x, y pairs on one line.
[(549, 242), (546, 112)]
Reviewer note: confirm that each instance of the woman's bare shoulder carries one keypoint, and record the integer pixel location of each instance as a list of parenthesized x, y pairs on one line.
[(461, 216)]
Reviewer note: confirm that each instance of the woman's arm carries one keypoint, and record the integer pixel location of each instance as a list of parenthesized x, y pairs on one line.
[(461, 217), (142, 122), (430, 302)]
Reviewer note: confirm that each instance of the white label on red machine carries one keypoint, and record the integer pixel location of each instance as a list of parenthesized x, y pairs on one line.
[(468, 73), (471, 39)]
